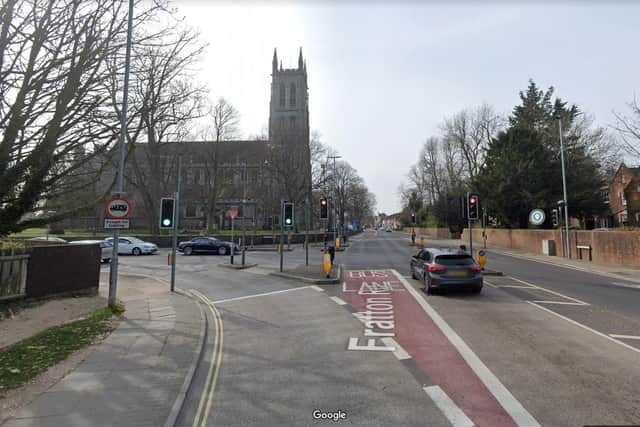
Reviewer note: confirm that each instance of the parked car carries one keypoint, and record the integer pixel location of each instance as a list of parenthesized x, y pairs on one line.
[(134, 246), (106, 247), (48, 239), (446, 269), (207, 245)]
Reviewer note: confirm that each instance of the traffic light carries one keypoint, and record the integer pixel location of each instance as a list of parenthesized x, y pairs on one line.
[(474, 208), (324, 208), (166, 212), (413, 217), (288, 214), (554, 217)]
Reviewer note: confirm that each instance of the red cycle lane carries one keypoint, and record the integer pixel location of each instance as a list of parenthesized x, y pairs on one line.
[(387, 309)]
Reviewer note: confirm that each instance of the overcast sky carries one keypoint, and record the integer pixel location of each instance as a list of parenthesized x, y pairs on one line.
[(382, 78)]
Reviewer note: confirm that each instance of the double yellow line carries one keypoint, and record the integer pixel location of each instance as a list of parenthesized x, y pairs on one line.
[(206, 399)]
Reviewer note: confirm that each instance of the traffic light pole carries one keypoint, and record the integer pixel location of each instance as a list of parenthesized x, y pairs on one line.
[(306, 226), (470, 225), (176, 215), (281, 245)]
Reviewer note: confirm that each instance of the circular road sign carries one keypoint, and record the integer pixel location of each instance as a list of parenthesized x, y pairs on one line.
[(118, 208), (537, 217)]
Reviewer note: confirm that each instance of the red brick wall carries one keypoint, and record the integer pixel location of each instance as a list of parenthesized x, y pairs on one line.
[(433, 233), (608, 247)]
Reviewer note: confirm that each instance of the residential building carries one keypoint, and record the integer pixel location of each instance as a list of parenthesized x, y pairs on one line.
[(624, 197)]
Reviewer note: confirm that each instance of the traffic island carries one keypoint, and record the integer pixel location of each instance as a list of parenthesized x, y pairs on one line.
[(311, 274), (238, 266), (489, 272)]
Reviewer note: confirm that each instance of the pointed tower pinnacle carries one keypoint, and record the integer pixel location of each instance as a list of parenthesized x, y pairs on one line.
[(281, 65), (300, 61), (274, 63)]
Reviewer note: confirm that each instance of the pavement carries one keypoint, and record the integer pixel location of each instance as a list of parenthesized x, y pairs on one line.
[(137, 376)]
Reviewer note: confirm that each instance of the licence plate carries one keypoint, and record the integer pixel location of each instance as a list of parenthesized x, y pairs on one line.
[(457, 273)]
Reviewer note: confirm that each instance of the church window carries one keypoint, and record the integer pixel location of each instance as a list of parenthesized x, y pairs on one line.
[(282, 95), (292, 122), (292, 95)]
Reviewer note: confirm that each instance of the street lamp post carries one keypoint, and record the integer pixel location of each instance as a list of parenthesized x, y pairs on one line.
[(335, 204), (564, 188)]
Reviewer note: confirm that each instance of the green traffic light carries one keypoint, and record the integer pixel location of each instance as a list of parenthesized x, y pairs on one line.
[(288, 221), (166, 222)]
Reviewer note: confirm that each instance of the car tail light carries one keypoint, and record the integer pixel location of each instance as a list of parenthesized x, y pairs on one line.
[(475, 268), (436, 268)]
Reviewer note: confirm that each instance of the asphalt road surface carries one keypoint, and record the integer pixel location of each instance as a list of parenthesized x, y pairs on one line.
[(542, 345)]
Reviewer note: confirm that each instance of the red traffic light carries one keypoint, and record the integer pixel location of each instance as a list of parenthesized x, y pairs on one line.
[(323, 202), (473, 200)]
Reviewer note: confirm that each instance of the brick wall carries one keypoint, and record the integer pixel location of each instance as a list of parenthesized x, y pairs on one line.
[(608, 247), (432, 233)]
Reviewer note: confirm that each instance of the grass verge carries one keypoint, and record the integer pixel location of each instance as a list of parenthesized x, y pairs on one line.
[(28, 358)]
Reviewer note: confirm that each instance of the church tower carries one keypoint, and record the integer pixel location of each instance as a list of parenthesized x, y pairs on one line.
[(289, 130), (289, 106)]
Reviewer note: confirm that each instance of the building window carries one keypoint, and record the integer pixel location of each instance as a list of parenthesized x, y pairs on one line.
[(201, 179), (292, 95), (282, 95), (622, 217), (190, 211), (292, 122), (605, 196)]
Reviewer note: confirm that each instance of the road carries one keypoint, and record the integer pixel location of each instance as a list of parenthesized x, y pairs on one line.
[(542, 345)]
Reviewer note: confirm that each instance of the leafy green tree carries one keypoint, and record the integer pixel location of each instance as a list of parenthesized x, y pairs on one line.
[(516, 177)]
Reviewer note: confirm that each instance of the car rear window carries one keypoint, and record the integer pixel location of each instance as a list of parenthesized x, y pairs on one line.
[(454, 260)]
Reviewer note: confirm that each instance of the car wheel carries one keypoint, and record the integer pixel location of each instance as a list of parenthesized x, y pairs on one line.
[(413, 273), (188, 250), (223, 250), (477, 290), (136, 251), (427, 286)]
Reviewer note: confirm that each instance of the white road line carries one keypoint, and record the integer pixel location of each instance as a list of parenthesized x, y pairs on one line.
[(510, 404), (625, 337), (400, 352), (637, 350), (454, 414), (558, 302), (625, 285), (550, 291), (338, 301), (317, 288), (259, 295), (516, 287)]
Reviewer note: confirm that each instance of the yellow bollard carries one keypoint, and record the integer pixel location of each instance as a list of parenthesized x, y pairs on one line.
[(326, 264), (337, 243), (482, 258), (169, 258), (421, 243)]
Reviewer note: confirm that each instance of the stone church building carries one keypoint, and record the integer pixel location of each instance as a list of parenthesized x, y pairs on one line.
[(253, 176)]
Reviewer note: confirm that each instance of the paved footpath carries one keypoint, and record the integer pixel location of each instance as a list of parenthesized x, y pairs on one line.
[(136, 375)]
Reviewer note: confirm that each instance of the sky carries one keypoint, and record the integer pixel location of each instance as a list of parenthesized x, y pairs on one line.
[(383, 77)]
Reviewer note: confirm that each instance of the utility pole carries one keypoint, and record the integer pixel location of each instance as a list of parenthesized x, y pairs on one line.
[(306, 237), (113, 269), (335, 217), (176, 220)]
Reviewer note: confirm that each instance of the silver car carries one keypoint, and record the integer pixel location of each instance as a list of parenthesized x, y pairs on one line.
[(134, 246), (106, 248)]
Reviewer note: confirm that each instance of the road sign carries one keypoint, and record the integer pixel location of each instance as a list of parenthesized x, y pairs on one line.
[(118, 208), (232, 212), (116, 223), (536, 217)]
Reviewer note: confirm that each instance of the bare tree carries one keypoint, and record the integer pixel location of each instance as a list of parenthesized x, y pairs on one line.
[(163, 101), (53, 71), (628, 127), (224, 119), (471, 131)]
